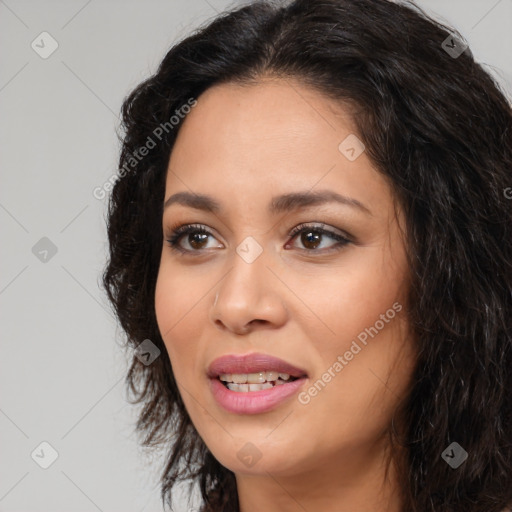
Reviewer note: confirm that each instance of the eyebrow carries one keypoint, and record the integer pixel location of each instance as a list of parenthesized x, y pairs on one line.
[(278, 204)]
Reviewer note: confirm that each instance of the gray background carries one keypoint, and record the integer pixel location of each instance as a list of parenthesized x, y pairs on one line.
[(61, 376)]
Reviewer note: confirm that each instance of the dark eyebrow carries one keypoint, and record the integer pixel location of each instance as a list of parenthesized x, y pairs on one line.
[(197, 201), (296, 200), (278, 204)]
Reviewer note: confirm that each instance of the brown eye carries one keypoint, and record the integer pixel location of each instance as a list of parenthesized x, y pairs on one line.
[(312, 237), (193, 235), (197, 240)]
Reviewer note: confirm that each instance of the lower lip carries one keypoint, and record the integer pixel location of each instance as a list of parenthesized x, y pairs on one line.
[(253, 402)]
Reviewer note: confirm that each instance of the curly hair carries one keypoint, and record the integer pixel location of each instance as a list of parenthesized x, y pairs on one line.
[(440, 129)]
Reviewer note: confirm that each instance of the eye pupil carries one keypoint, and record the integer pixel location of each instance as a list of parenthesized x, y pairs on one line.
[(197, 236), (309, 237)]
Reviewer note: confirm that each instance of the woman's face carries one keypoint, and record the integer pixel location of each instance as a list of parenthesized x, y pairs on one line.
[(327, 300)]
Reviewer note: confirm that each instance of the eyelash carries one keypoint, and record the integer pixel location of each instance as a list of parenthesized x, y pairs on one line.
[(177, 232)]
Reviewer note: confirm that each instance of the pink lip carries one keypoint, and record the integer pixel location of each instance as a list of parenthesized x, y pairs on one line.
[(253, 402), (252, 363)]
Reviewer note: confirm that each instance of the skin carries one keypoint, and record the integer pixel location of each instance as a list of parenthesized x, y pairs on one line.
[(301, 300)]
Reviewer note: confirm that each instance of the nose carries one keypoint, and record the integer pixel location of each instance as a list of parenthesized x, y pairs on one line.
[(249, 297)]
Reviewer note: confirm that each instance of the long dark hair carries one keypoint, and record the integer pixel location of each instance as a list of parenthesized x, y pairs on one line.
[(437, 125)]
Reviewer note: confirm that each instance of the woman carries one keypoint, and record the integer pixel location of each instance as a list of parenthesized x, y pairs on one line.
[(311, 227)]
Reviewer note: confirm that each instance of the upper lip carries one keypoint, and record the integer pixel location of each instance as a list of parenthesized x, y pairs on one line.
[(251, 363)]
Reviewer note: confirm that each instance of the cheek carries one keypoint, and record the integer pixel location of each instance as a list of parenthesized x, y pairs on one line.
[(177, 301), (166, 302), (352, 296), (364, 308), (178, 293)]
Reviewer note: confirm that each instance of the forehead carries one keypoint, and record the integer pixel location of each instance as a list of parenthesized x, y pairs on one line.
[(276, 135), (258, 112)]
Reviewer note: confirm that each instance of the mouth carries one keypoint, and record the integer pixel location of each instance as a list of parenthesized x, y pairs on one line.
[(253, 383)]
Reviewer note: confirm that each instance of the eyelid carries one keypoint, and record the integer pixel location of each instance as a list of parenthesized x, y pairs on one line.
[(341, 237), (322, 227), (174, 234)]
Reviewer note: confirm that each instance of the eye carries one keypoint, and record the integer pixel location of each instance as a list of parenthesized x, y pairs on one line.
[(197, 238), (311, 237)]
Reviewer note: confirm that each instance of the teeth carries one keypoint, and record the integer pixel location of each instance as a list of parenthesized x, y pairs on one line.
[(254, 378), (248, 387)]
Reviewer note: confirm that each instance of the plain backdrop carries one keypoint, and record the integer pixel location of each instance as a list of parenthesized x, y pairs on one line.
[(62, 370)]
